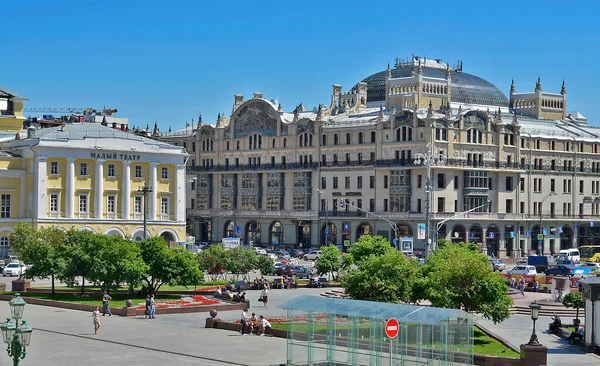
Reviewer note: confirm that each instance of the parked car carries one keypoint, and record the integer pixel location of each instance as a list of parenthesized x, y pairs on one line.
[(272, 256), (260, 251), (298, 271), (559, 270), (14, 269), (523, 271), (312, 256), (279, 267), (592, 265), (498, 265), (522, 261), (296, 253)]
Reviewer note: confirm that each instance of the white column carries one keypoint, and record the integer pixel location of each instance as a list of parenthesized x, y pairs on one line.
[(126, 192), (41, 192), (99, 189), (70, 193), (152, 199), (180, 203)]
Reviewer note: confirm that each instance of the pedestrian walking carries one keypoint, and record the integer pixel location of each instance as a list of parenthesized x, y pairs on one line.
[(152, 308), (147, 310), (96, 317), (265, 295), (522, 286), (243, 320), (106, 304)]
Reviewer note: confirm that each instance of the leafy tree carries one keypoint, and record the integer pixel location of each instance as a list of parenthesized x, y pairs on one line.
[(116, 260), (330, 260), (213, 261), (455, 275), (241, 260), (574, 300), (265, 265), (368, 245), (167, 266), (389, 277), (79, 255), (44, 251)]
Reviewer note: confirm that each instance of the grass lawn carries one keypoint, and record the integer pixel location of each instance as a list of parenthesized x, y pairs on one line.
[(124, 288), (482, 343), (118, 301)]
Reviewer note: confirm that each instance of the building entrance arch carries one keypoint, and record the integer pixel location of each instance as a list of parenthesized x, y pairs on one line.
[(276, 234), (252, 234), (229, 229), (476, 234), (363, 229), (493, 240), (331, 238), (459, 234)]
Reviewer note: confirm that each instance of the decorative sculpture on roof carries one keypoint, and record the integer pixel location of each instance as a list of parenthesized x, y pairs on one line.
[(538, 85), (256, 116), (563, 89)]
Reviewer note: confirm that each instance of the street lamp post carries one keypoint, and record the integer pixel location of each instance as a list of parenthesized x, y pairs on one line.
[(428, 159), (326, 216), (535, 312), (16, 336), (541, 249), (144, 191)]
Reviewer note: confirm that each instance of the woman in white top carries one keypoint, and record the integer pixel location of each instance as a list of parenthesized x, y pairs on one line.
[(265, 296), (264, 324)]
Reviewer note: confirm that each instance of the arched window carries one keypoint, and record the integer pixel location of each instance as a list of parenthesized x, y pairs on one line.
[(404, 133), (284, 142), (474, 136), (4, 246)]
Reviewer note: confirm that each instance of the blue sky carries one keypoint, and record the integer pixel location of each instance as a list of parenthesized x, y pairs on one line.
[(155, 61)]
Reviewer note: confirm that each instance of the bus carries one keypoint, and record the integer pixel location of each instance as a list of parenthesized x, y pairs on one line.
[(590, 253)]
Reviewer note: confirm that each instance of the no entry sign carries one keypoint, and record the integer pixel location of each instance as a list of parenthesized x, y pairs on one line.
[(391, 328)]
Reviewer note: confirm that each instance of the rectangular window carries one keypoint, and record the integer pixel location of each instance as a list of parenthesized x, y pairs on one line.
[(372, 158), (359, 182), (581, 208), (509, 183), (441, 204), (348, 159), (348, 139), (336, 139), (441, 181), (385, 205), (110, 203), (373, 136), (137, 204), (522, 184), (164, 173), (164, 205), (323, 182), (456, 182), (83, 169), (324, 140), (53, 202), (5, 206), (54, 168), (111, 171), (419, 181), (372, 182), (360, 138), (83, 203), (138, 171), (522, 207), (552, 185), (323, 159), (359, 203), (385, 181), (581, 187), (419, 205), (335, 182), (347, 183), (509, 206), (372, 205)]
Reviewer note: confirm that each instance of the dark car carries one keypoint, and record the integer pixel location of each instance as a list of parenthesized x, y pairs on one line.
[(295, 253), (558, 271), (300, 272)]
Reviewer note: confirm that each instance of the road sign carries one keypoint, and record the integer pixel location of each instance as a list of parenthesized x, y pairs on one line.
[(192, 239), (327, 232), (491, 235), (346, 243), (395, 241), (540, 236), (391, 328)]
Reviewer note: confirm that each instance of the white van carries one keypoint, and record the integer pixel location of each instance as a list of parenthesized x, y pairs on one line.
[(572, 254)]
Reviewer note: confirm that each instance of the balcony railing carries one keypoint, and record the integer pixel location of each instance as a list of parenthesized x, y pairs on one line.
[(342, 214)]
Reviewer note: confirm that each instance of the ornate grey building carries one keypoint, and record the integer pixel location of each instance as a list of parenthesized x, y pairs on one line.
[(517, 161)]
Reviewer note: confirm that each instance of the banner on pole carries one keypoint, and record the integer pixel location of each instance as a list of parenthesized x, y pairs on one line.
[(420, 231)]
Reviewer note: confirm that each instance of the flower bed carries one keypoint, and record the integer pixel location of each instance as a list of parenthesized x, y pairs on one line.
[(184, 302)]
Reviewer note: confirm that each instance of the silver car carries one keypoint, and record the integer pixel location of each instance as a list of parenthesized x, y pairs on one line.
[(498, 265)]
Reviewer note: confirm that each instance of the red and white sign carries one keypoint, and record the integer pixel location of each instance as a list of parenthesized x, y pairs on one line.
[(391, 328)]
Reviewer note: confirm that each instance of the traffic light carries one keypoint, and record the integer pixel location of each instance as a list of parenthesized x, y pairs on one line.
[(342, 203)]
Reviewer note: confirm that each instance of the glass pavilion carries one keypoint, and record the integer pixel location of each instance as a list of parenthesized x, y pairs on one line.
[(329, 331)]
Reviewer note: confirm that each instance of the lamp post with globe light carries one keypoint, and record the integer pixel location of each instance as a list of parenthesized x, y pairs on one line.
[(535, 312), (16, 333)]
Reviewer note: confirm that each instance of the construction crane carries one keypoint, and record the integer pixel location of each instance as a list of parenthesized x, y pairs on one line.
[(104, 111)]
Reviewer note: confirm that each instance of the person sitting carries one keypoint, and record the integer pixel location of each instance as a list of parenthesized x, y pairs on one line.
[(243, 297), (292, 282), (264, 325), (236, 297), (218, 293), (253, 323), (536, 286), (556, 324), (577, 334), (229, 295), (315, 281)]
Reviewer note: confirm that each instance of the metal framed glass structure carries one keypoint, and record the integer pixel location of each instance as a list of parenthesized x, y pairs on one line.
[(328, 331)]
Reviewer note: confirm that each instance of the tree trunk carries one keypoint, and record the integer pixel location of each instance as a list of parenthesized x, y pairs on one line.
[(82, 284), (52, 284)]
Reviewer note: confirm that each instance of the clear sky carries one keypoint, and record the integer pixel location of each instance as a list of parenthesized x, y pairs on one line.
[(168, 61)]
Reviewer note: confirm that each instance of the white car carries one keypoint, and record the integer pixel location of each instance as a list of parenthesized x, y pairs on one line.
[(14, 269), (260, 251), (272, 256), (523, 271), (592, 265), (312, 256)]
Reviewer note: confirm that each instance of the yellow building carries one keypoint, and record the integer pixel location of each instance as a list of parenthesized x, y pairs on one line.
[(87, 176)]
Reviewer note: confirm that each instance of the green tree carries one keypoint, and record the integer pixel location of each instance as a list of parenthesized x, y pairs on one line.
[(116, 261), (368, 245), (456, 275), (43, 250), (167, 266), (213, 261), (574, 300), (389, 277), (78, 254), (330, 260), (241, 261), (265, 265)]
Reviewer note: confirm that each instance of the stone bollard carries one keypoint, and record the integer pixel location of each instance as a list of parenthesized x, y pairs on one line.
[(20, 285), (534, 355)]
